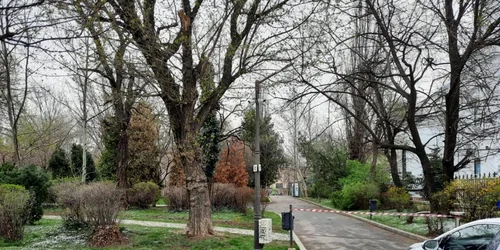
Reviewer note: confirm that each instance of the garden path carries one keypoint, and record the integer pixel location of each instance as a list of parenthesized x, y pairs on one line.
[(276, 236)]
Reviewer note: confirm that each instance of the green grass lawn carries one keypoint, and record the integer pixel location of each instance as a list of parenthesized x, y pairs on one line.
[(49, 234), (324, 202), (219, 218)]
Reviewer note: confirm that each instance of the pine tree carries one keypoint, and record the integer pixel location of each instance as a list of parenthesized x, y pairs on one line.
[(143, 149), (271, 153), (59, 164), (107, 162), (77, 163)]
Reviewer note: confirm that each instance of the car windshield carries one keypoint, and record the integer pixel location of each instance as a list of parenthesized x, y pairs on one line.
[(476, 237)]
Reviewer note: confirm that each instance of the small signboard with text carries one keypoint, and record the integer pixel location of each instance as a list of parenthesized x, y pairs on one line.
[(265, 231)]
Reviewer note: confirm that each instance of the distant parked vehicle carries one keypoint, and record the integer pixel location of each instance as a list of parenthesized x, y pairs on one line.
[(477, 235)]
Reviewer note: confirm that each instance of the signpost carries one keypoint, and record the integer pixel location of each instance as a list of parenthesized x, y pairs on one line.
[(257, 168)]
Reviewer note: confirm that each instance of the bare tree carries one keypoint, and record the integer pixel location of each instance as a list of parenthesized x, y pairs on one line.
[(399, 72), (21, 23), (42, 128), (176, 55), (471, 26), (15, 90)]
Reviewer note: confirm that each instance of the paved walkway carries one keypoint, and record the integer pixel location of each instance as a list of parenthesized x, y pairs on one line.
[(276, 236)]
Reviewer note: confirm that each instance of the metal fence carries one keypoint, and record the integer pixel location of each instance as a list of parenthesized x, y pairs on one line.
[(477, 177)]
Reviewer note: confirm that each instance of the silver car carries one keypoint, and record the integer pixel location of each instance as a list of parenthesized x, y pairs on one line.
[(477, 235)]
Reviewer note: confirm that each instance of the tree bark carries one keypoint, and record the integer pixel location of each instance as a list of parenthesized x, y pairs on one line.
[(200, 210), (429, 183), (393, 164), (452, 98), (122, 154)]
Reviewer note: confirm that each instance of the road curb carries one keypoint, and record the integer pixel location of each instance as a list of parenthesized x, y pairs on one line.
[(295, 238), (388, 228)]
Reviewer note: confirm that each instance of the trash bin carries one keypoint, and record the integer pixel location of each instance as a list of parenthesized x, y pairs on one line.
[(286, 221), (373, 205)]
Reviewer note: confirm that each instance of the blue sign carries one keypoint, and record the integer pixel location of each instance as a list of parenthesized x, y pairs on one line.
[(498, 204)]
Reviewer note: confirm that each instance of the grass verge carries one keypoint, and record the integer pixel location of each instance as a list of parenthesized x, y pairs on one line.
[(49, 234)]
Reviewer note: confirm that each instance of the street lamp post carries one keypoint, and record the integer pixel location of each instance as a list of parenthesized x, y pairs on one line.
[(257, 168)]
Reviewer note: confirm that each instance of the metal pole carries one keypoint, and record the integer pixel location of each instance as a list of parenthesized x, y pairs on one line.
[(403, 159), (257, 214), (291, 227)]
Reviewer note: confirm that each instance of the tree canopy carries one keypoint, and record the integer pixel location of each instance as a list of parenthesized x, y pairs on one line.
[(272, 155)]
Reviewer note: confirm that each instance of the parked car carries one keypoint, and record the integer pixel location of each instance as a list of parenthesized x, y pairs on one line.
[(476, 235)]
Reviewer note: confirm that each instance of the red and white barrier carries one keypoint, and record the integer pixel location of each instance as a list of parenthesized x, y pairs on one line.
[(373, 213)]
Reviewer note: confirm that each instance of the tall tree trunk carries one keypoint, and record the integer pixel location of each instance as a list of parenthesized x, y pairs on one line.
[(451, 126), (393, 164), (123, 120), (200, 210), (452, 98), (358, 131), (429, 183), (373, 167), (11, 111)]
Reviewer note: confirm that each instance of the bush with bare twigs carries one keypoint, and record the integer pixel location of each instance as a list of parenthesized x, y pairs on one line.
[(14, 211), (143, 194), (96, 205), (69, 196), (222, 196), (101, 203), (177, 198)]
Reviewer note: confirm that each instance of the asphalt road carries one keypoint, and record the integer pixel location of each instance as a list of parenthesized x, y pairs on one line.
[(327, 231)]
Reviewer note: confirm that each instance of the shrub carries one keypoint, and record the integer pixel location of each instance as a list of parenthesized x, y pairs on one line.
[(14, 202), (53, 189), (69, 196), (33, 180), (177, 198), (435, 226), (477, 198), (398, 198), (96, 204), (228, 196), (223, 196), (143, 194), (244, 197), (355, 196), (101, 203), (359, 186), (7, 166)]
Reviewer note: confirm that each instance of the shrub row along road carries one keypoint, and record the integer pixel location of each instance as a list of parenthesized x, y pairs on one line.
[(325, 231)]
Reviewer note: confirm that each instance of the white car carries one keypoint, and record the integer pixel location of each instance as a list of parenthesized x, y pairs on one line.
[(477, 235)]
